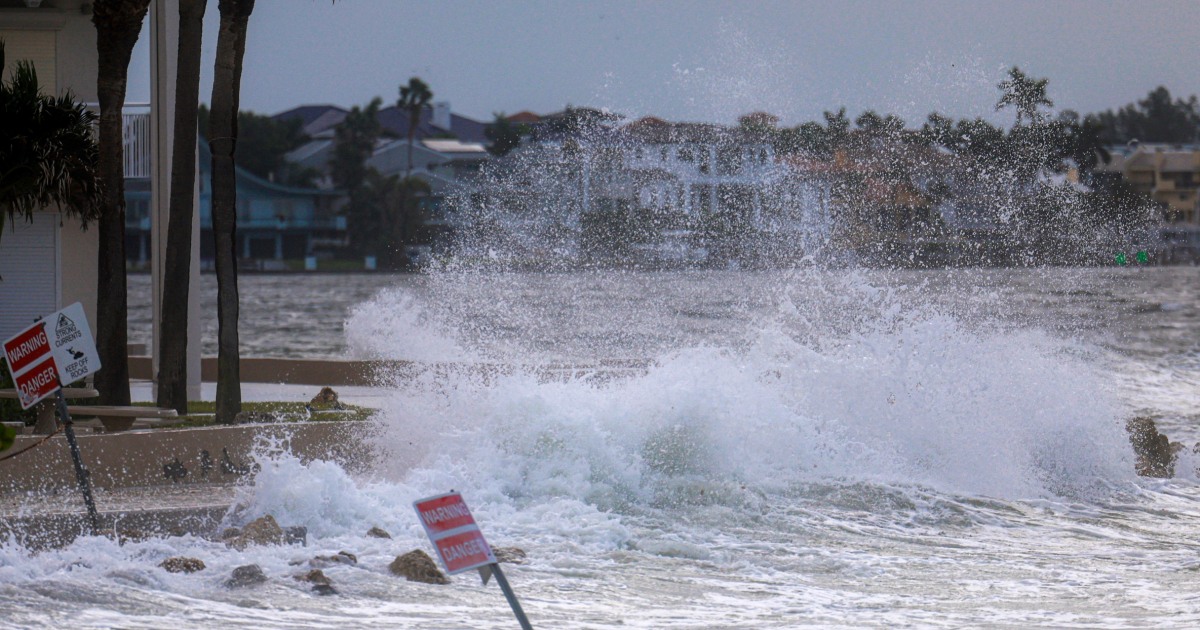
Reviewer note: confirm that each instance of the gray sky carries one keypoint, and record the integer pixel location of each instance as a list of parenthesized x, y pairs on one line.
[(708, 60)]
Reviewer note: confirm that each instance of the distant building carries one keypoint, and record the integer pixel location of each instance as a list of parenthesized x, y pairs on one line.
[(274, 222), (447, 147), (1170, 174)]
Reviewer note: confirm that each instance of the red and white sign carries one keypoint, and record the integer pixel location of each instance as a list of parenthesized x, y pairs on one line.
[(453, 531), (37, 382), (28, 346), (57, 350)]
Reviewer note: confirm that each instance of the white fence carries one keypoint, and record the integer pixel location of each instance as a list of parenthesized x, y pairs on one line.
[(135, 137)]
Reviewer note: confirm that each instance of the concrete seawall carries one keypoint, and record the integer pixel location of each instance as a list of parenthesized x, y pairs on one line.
[(154, 482), (337, 372), (177, 457)]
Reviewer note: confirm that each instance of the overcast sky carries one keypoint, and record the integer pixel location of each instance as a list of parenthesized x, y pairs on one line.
[(707, 60)]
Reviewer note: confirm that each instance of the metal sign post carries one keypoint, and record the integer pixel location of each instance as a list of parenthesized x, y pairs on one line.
[(81, 473), (40, 358), (460, 543), (511, 597)]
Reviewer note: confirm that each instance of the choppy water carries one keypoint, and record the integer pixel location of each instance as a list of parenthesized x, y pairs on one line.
[(832, 449)]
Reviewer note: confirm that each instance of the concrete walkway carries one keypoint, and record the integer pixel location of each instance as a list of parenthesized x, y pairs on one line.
[(372, 397)]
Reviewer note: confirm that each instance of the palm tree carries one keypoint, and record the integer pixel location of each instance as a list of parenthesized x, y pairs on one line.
[(172, 348), (1024, 93), (222, 140), (118, 24), (354, 142), (414, 98), (50, 152)]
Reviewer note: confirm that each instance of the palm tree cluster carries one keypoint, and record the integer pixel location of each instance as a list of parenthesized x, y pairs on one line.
[(48, 148)]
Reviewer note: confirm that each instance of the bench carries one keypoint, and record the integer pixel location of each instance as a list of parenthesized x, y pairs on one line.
[(116, 419), (45, 409)]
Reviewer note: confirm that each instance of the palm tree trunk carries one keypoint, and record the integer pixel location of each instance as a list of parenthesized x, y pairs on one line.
[(222, 139), (172, 348), (118, 23)]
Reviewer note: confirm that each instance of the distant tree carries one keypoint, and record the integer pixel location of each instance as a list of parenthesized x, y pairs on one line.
[(875, 125), (263, 143), (837, 128), (939, 130), (981, 139), (1026, 94), (222, 140), (758, 122), (50, 154), (504, 135), (1156, 118), (354, 142), (414, 98), (1082, 140), (118, 24), (172, 348)]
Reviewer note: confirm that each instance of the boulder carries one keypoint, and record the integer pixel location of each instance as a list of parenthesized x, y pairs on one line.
[(324, 589), (1154, 452), (182, 564), (417, 566), (261, 531), (341, 557), (315, 576), (510, 555), (378, 532), (247, 575), (325, 399), (296, 535)]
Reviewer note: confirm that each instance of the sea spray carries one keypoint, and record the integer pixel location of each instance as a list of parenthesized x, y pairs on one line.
[(871, 383)]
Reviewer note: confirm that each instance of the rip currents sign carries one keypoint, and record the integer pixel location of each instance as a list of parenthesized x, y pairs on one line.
[(55, 351)]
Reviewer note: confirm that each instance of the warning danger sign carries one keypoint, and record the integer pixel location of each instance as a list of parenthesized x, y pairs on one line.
[(53, 352)]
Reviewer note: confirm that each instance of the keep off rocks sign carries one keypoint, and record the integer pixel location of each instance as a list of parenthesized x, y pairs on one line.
[(454, 533), (59, 349)]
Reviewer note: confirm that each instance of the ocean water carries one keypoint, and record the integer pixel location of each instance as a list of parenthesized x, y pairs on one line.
[(805, 448)]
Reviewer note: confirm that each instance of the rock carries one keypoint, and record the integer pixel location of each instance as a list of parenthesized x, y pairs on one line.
[(417, 566), (1155, 453), (296, 535), (326, 399), (247, 575), (316, 576), (341, 557), (255, 417), (132, 535), (324, 589), (511, 555), (182, 564), (377, 532), (232, 532), (261, 531)]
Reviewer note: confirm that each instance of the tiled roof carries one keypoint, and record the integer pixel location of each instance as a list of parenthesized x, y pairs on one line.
[(307, 114), (525, 117)]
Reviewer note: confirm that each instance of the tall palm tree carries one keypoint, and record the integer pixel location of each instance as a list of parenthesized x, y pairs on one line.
[(172, 347), (1024, 93), (414, 98), (118, 24), (222, 140), (50, 153)]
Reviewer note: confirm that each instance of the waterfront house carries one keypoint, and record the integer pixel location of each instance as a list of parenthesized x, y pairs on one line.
[(274, 222), (1170, 175)]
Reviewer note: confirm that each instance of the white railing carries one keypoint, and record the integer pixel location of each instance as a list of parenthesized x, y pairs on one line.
[(135, 138)]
